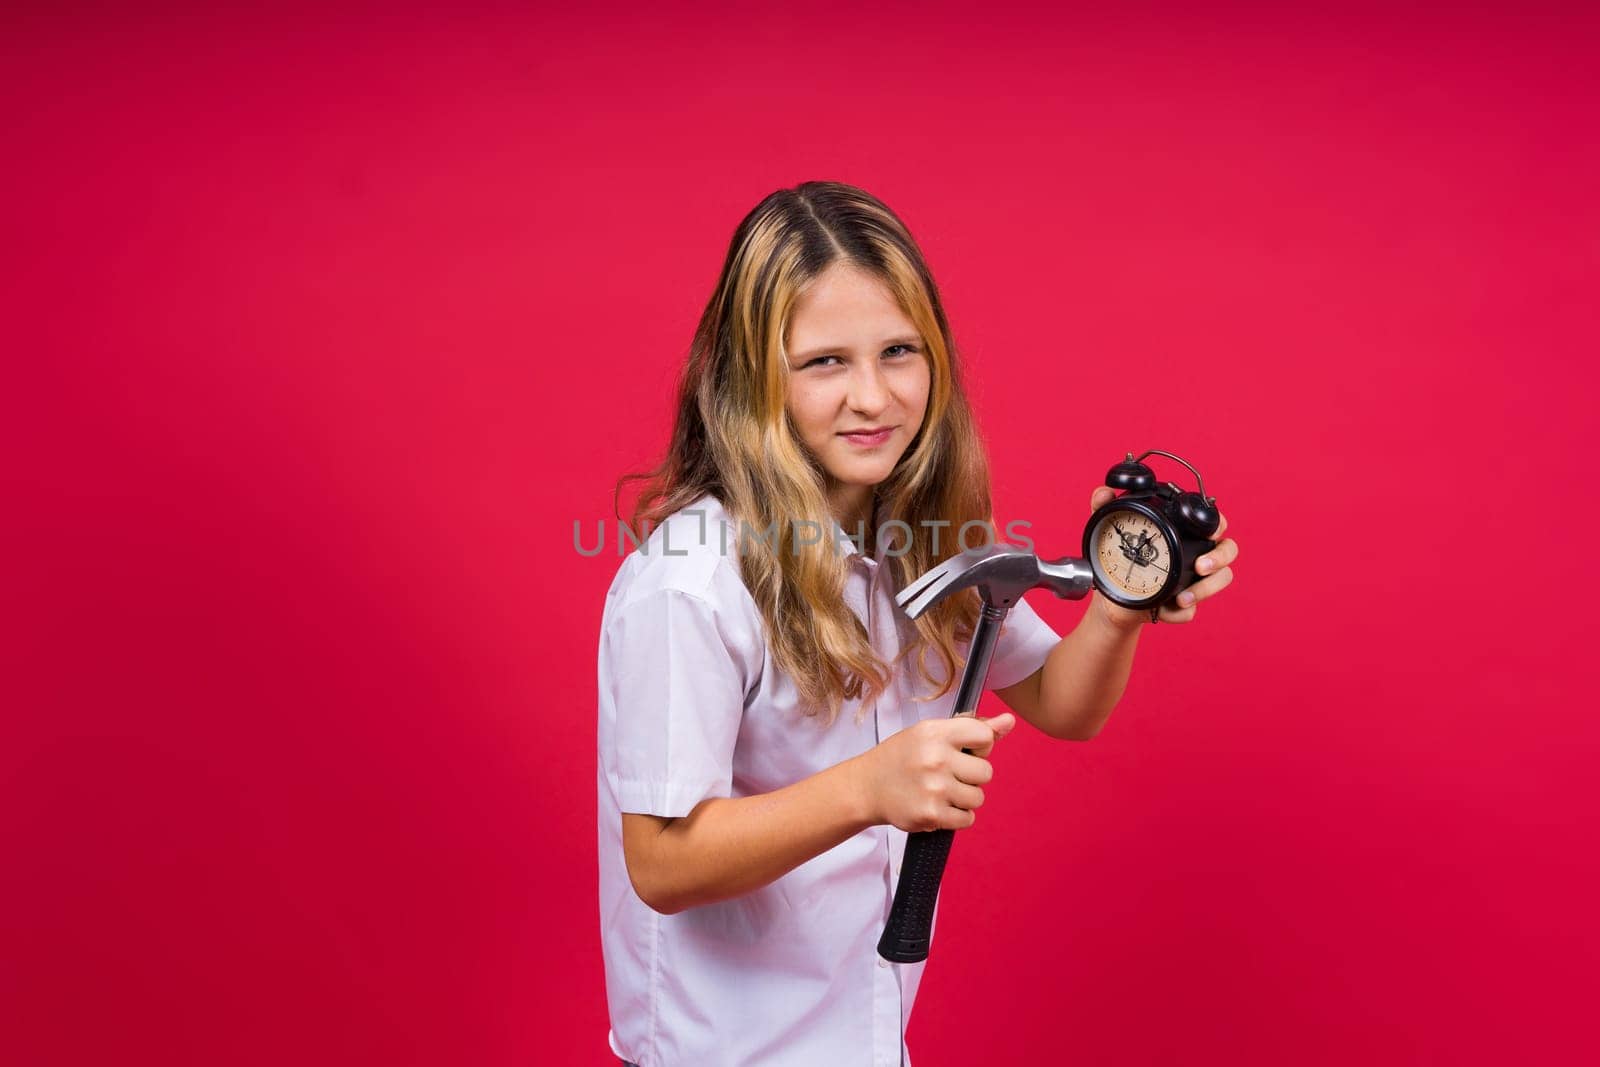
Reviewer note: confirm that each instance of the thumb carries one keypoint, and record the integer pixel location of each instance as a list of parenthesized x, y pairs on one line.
[(1001, 724)]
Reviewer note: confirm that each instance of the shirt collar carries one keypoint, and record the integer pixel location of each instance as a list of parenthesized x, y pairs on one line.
[(842, 538), (846, 539)]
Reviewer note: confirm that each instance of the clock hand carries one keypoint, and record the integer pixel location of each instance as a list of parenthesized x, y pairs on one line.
[(1144, 541)]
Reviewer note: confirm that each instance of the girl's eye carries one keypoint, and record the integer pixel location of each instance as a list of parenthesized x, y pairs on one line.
[(893, 351)]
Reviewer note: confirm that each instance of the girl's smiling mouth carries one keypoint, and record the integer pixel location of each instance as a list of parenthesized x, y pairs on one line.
[(868, 438)]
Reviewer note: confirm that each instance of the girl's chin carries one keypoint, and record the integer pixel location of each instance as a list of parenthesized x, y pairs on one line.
[(860, 473)]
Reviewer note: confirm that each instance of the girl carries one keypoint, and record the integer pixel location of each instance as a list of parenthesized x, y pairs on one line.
[(771, 724)]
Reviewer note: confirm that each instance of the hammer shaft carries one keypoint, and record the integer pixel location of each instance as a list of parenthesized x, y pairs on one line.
[(909, 930), (979, 653)]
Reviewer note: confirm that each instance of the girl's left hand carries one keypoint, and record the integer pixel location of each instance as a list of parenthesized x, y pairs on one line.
[(1215, 567)]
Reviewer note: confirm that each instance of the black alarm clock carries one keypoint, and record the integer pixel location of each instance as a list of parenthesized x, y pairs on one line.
[(1142, 545)]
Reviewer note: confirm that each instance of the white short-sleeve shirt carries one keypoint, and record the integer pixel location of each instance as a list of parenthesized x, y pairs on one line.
[(692, 706)]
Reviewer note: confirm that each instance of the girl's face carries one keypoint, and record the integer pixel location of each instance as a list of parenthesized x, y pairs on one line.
[(856, 365)]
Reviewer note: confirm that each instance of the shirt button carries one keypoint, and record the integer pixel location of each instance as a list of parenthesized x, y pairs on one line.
[(882, 962)]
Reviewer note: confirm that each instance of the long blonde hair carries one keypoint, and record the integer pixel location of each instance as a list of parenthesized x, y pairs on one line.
[(733, 439)]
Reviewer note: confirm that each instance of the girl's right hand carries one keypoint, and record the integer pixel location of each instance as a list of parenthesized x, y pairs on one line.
[(919, 779)]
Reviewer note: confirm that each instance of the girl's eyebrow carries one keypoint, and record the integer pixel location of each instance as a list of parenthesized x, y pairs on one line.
[(826, 350)]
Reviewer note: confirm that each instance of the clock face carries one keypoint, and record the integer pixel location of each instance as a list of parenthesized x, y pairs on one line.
[(1131, 555)]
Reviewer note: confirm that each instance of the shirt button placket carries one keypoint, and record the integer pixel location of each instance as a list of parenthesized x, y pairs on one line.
[(885, 1015), (887, 1008), (886, 709)]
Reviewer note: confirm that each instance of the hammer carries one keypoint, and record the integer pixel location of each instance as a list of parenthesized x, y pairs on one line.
[(1001, 574)]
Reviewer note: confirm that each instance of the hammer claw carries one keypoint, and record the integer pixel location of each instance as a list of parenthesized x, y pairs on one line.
[(926, 590)]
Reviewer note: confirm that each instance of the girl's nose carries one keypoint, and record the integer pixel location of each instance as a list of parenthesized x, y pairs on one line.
[(869, 392)]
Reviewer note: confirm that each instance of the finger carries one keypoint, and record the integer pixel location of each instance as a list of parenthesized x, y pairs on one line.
[(957, 819), (973, 769), (978, 734), (1222, 525), (1221, 556), (1001, 731), (966, 797), (1101, 495), (1207, 588), (1177, 615)]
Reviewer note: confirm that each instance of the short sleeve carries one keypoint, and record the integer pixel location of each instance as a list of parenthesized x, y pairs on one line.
[(677, 686), (1024, 643)]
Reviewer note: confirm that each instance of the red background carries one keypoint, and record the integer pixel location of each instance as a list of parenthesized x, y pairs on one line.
[(323, 329)]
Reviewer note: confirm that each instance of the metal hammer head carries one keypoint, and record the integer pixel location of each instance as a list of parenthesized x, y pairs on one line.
[(1001, 574)]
